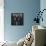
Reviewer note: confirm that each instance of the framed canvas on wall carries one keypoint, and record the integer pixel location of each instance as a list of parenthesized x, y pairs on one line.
[(17, 18)]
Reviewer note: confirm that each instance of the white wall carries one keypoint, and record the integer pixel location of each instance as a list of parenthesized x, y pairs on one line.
[(1, 20)]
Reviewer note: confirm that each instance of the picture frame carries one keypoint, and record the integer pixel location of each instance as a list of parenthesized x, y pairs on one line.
[(17, 18)]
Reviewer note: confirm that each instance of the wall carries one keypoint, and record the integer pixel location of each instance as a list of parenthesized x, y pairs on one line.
[(43, 6), (28, 7), (1, 20)]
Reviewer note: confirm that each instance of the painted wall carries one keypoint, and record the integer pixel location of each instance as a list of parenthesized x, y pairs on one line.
[(29, 8), (43, 6)]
